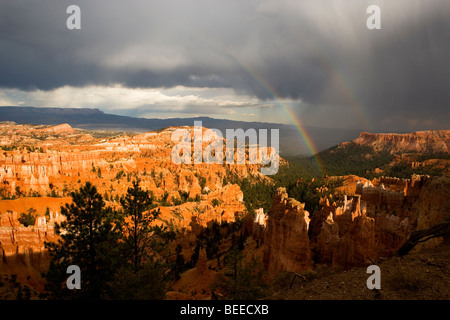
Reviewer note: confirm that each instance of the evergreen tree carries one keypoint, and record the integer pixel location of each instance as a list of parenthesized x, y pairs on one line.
[(89, 239), (149, 283), (179, 262), (137, 226), (28, 219), (240, 281), (144, 275)]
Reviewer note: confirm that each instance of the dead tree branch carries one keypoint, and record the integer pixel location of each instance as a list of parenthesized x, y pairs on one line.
[(296, 275), (423, 235)]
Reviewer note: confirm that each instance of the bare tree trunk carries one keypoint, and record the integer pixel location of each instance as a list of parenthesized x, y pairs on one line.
[(423, 235)]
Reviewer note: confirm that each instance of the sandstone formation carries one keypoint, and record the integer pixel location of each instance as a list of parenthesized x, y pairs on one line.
[(358, 229), (18, 239), (286, 239), (372, 223), (259, 225), (229, 204)]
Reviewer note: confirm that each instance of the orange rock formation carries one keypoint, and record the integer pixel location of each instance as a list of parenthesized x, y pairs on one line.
[(360, 228), (286, 239)]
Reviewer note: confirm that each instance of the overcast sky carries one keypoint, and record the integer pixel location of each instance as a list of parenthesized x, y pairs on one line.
[(244, 60)]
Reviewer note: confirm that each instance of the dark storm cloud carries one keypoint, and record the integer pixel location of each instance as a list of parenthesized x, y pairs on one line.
[(402, 69), (318, 51), (37, 50)]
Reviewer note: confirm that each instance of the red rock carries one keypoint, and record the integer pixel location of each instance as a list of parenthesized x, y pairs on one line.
[(286, 242), (433, 141)]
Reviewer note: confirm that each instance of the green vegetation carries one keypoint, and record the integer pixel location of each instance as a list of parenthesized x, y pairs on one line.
[(148, 283), (241, 281), (28, 219), (211, 236), (119, 175), (352, 159), (309, 192), (201, 181), (428, 156), (363, 160), (53, 194), (216, 202), (138, 230), (5, 194), (120, 255), (33, 149), (11, 288), (257, 193), (104, 134), (163, 201), (90, 241), (141, 275), (302, 181), (297, 167), (184, 195), (10, 148), (179, 262), (405, 171)]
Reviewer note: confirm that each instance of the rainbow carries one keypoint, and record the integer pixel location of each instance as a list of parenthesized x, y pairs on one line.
[(293, 118), (337, 77)]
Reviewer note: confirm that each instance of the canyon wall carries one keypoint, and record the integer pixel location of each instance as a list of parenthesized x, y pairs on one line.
[(433, 141)]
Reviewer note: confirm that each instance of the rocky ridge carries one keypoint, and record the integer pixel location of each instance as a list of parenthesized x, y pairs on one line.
[(432, 141)]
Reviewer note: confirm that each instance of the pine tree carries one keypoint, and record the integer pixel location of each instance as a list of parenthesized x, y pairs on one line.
[(144, 272), (179, 262), (89, 239), (137, 226), (241, 280)]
